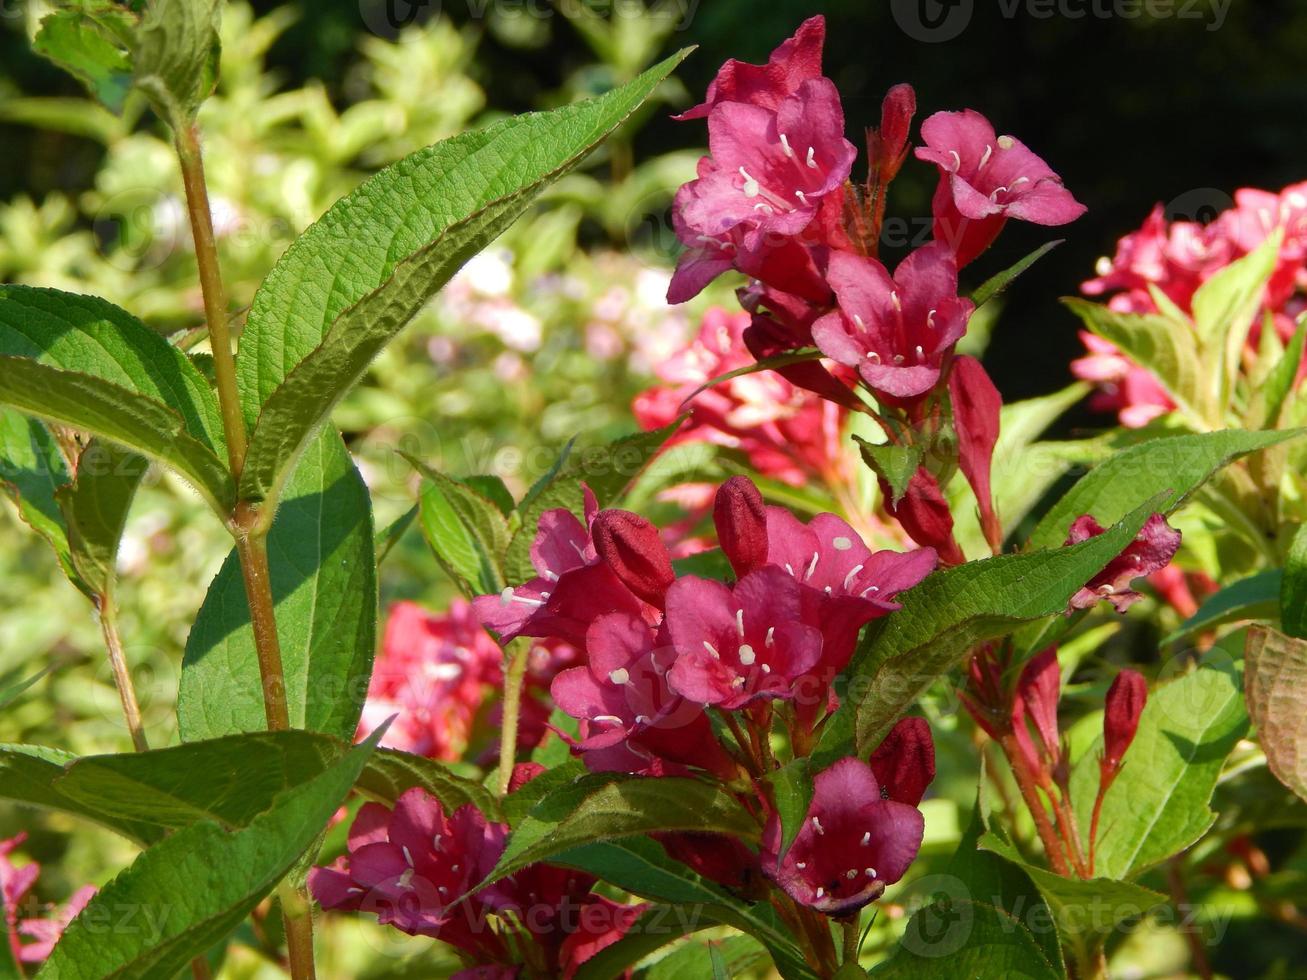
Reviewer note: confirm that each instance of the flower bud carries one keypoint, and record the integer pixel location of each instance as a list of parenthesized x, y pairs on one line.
[(1125, 703), (904, 763), (741, 520), (632, 548)]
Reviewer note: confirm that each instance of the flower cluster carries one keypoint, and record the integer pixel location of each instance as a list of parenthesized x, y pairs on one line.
[(1171, 260), (30, 939), (775, 201), (417, 868), (436, 675)]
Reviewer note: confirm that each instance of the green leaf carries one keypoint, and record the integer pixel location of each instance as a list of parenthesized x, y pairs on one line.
[(84, 402), (32, 470), (95, 507), (11, 692), (607, 470), (607, 807), (1084, 910), (1275, 675), (792, 794), (800, 355), (388, 538), (1166, 348), (1269, 399), (955, 938), (948, 614), (92, 41), (494, 490), (325, 588), (743, 956), (467, 532), (28, 777), (1256, 597), (390, 773), (895, 464), (348, 286), (1225, 307), (196, 885), (1158, 805), (1174, 465), (177, 54), (640, 866), (996, 284), (1293, 587)]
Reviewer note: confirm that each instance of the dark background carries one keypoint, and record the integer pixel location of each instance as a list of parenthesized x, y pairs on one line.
[(1131, 110)]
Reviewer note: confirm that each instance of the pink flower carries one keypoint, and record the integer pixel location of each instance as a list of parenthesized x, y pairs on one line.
[(843, 584), (740, 517), (787, 433), (1153, 548), (904, 762), (977, 410), (1122, 709), (635, 552), (1124, 387), (433, 673), (986, 179), (571, 589), (714, 856), (796, 61), (736, 645), (853, 843), (15, 883), (924, 514), (630, 718), (1038, 690), (895, 331)]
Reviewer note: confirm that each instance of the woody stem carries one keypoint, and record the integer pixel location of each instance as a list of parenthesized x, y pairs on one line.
[(1029, 792)]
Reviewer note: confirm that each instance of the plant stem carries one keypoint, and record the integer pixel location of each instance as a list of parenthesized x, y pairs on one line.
[(252, 550), (297, 916), (122, 677), (852, 937), (519, 652), (200, 969), (215, 297), (1180, 897), (1066, 823), (1029, 793)]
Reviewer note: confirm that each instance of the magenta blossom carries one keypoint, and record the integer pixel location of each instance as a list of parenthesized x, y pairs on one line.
[(1153, 549), (895, 331), (571, 589), (796, 61), (631, 720), (736, 645), (43, 933), (986, 179), (855, 840)]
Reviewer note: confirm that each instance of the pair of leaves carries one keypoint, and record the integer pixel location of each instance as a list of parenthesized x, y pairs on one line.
[(168, 49)]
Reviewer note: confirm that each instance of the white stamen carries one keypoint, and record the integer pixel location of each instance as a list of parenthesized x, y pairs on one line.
[(456, 868), (619, 676), (848, 579), (747, 656), (609, 719), (711, 649), (766, 669), (842, 544), (785, 144), (820, 893), (435, 841), (1005, 142), (816, 825), (985, 157), (406, 878), (898, 358), (789, 568), (812, 158), (771, 636), (894, 298), (553, 576), (408, 858), (751, 187), (738, 682), (871, 588), (739, 622), (764, 208), (802, 197), (871, 872), (866, 838), (1103, 266), (920, 353), (800, 865), (930, 318), (1019, 181), (812, 566), (851, 873), (506, 597), (858, 320), (873, 357), (642, 719), (957, 160)]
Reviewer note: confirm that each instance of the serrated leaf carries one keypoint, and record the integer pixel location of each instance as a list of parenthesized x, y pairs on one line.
[(196, 885), (792, 794), (325, 588), (1167, 349), (996, 284), (494, 490), (389, 773), (92, 41), (895, 464), (944, 617), (466, 531), (1158, 805), (606, 470), (390, 536), (81, 401), (608, 807), (1084, 910), (1275, 676), (960, 938), (350, 283), (1255, 597), (1293, 586), (177, 54), (744, 957), (1174, 465)]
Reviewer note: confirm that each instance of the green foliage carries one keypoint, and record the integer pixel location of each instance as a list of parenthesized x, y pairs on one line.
[(953, 938), (1275, 674), (1255, 597), (467, 532), (896, 464), (1293, 586)]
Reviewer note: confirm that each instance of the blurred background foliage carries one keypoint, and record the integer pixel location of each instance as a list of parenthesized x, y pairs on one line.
[(552, 332)]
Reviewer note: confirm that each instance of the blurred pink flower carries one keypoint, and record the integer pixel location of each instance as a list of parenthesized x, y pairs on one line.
[(15, 884)]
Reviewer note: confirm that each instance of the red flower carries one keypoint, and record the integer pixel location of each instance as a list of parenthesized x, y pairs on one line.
[(1124, 705), (634, 551), (1153, 548), (741, 521), (986, 179), (15, 883), (977, 408)]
